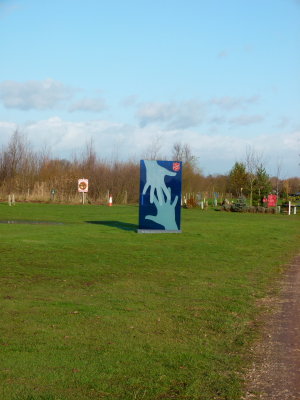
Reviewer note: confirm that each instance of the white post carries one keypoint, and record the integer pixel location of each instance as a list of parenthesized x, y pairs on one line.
[(289, 208), (295, 210), (13, 200), (9, 200)]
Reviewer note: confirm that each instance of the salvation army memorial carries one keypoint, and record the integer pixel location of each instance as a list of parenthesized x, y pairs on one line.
[(160, 196)]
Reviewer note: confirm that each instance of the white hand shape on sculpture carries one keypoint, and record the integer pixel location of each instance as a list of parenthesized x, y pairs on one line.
[(155, 179), (165, 213)]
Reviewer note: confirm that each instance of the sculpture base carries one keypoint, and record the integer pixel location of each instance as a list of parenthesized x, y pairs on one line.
[(157, 231)]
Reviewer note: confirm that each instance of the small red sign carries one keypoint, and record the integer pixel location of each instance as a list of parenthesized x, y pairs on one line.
[(176, 166)]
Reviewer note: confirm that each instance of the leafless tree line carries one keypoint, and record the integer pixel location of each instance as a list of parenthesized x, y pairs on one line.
[(36, 176)]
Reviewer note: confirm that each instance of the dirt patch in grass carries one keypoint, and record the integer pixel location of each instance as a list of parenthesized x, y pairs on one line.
[(23, 221), (275, 374)]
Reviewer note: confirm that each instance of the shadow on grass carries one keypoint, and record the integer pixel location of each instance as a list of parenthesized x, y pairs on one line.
[(116, 224)]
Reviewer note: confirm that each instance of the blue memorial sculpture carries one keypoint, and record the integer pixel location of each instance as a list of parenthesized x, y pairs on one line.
[(160, 196)]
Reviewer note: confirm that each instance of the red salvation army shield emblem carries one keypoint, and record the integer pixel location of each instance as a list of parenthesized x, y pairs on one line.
[(176, 166)]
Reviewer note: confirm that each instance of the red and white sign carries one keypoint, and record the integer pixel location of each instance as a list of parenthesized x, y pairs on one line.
[(83, 185), (176, 166), (272, 200)]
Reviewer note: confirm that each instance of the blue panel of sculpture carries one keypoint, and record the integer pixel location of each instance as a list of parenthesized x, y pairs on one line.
[(160, 195)]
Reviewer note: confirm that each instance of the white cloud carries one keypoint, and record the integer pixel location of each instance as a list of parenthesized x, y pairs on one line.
[(6, 130), (88, 104), (129, 101), (155, 112), (192, 113), (283, 123), (216, 153), (218, 120), (40, 95), (230, 103), (173, 115), (291, 142), (65, 138), (244, 120)]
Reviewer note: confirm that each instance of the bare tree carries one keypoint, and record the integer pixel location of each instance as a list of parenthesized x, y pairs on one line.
[(183, 152), (19, 164), (152, 152), (192, 176), (177, 153), (252, 162), (278, 174), (89, 157)]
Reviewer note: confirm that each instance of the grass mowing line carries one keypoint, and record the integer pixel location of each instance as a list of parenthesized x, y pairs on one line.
[(92, 310)]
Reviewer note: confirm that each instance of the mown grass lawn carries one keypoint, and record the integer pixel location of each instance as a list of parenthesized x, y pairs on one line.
[(92, 310)]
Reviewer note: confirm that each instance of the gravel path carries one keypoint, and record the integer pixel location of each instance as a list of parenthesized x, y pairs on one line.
[(276, 370)]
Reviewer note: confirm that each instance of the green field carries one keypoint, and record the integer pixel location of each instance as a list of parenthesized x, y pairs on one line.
[(92, 310)]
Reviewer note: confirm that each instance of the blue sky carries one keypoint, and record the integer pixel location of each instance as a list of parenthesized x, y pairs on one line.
[(220, 75)]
